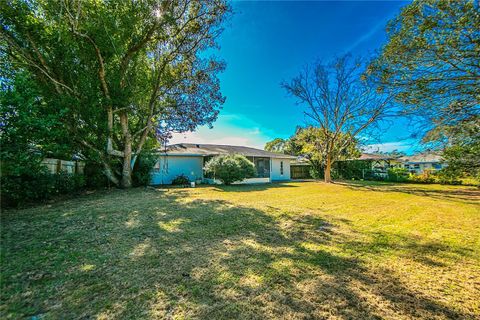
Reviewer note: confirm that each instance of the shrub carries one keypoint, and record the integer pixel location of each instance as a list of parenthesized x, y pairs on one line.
[(181, 180), (230, 168), (397, 174), (315, 173), (94, 176), (353, 169), (447, 177), (142, 172), (67, 182), (37, 186), (425, 177)]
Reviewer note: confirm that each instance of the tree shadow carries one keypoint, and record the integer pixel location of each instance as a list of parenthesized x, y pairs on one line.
[(467, 195), (163, 255), (429, 253), (252, 187)]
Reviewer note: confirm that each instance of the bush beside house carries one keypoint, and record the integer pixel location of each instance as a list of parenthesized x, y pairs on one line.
[(142, 172), (181, 180)]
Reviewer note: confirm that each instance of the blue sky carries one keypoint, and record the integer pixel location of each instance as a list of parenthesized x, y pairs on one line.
[(267, 42)]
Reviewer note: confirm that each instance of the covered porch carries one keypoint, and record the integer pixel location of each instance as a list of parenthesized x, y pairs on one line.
[(262, 165)]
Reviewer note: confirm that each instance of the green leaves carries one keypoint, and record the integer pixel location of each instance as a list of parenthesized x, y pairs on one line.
[(315, 145), (230, 168), (114, 69), (432, 60)]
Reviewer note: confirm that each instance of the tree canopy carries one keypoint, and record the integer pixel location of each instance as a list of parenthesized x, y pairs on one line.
[(313, 145), (276, 145), (463, 151), (30, 129), (115, 70), (431, 63)]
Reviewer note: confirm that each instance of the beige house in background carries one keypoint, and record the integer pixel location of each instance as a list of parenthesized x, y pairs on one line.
[(418, 163)]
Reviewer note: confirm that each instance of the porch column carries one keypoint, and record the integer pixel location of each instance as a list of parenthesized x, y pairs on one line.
[(271, 170)]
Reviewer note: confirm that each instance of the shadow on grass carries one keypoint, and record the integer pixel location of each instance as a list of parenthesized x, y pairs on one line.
[(469, 195), (252, 187), (430, 253), (152, 254)]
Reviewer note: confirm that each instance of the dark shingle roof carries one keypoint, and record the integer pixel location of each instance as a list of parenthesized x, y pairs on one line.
[(192, 149)]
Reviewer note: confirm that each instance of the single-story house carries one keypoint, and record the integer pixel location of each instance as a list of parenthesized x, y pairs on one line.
[(422, 161), (380, 162), (189, 159)]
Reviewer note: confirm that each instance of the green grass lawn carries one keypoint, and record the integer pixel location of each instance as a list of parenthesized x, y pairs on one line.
[(292, 251)]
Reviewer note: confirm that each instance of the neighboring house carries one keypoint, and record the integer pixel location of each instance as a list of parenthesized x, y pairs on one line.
[(423, 161), (380, 163), (416, 164), (189, 159)]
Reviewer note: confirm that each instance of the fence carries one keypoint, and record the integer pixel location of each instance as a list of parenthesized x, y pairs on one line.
[(55, 166), (300, 172)]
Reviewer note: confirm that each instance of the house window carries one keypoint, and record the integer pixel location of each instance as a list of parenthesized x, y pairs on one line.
[(262, 165), (281, 168), (416, 166), (437, 166), (156, 167)]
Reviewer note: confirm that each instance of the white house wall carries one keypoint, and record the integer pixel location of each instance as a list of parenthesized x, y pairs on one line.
[(275, 169), (169, 167)]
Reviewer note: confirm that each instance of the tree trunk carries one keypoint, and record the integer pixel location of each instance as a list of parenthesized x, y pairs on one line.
[(127, 166), (127, 169), (127, 153), (328, 168), (110, 175)]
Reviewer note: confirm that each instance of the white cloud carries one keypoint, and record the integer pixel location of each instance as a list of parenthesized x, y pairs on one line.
[(255, 131), (364, 37), (233, 129), (206, 138)]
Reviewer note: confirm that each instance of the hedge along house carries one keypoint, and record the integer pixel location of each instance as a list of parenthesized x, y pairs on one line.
[(189, 159), (365, 166)]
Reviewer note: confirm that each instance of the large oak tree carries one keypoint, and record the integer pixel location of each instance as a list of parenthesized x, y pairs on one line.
[(114, 70)]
